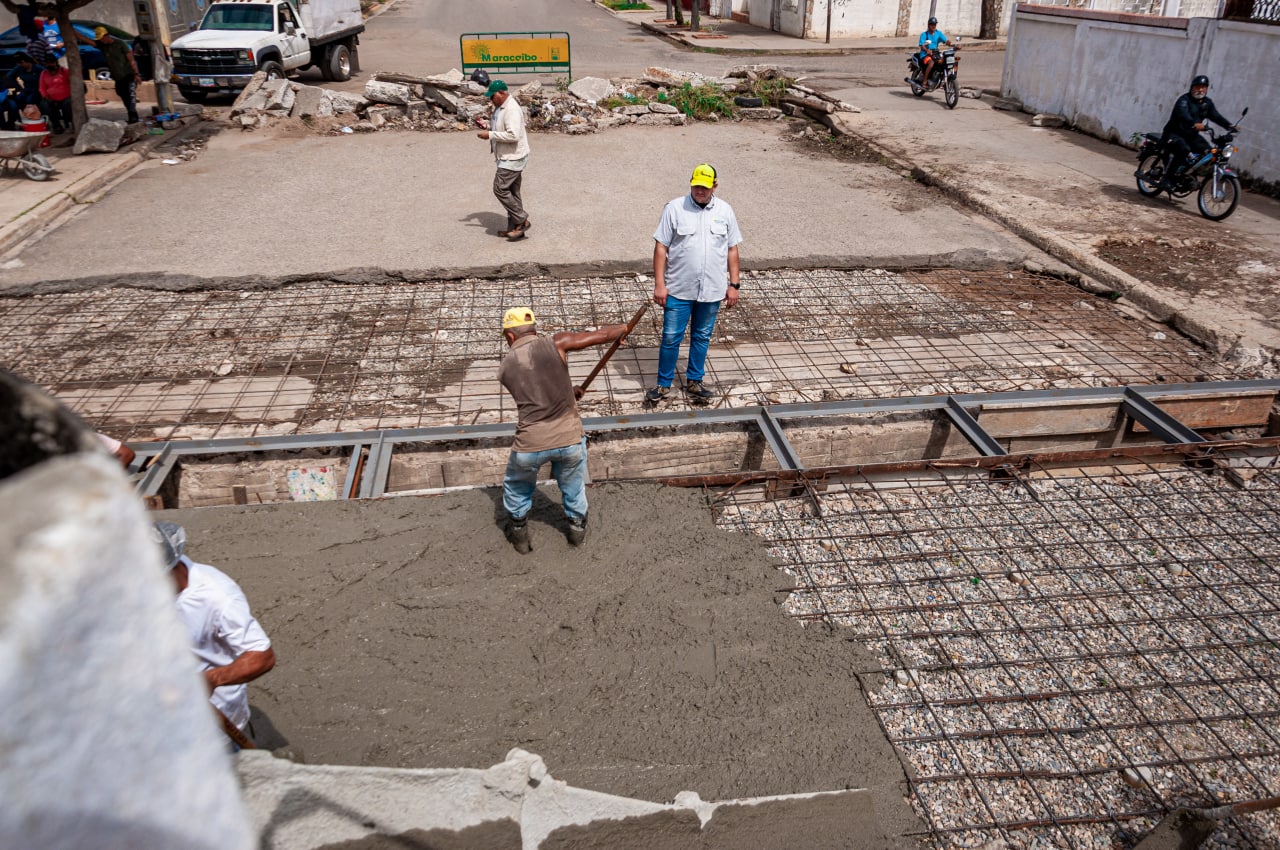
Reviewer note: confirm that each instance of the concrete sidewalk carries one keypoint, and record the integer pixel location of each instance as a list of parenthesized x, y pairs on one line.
[(29, 206)]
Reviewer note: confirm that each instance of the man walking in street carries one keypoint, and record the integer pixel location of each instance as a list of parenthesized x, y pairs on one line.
[(228, 642), (510, 145), (695, 267), (536, 373)]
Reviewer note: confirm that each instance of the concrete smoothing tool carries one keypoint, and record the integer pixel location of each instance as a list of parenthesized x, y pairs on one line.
[(581, 389), (1186, 829)]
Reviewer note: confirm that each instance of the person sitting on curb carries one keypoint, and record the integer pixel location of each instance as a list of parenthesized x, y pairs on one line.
[(55, 88), (22, 88)]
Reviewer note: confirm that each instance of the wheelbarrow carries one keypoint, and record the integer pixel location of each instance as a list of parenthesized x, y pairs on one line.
[(18, 150)]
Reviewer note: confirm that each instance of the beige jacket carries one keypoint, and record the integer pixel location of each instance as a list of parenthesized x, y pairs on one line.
[(507, 136)]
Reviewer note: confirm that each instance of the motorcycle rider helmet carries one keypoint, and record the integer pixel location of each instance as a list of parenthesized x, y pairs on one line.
[(480, 77), (933, 22), (1199, 80)]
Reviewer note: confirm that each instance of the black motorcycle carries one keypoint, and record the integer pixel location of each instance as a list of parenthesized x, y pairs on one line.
[(941, 73), (1210, 174)]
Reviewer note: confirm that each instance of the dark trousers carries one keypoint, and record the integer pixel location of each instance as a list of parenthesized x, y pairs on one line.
[(127, 91), (506, 188), (1178, 150), (13, 107), (59, 112)]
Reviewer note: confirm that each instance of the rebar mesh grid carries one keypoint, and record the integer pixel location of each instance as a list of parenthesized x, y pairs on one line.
[(149, 365), (1067, 657)]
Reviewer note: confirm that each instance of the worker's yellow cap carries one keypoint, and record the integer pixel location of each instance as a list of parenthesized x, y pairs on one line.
[(98, 33), (516, 317), (703, 175)]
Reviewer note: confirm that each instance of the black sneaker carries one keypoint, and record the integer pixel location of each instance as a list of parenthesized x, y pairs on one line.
[(657, 394), (697, 392), (577, 531)]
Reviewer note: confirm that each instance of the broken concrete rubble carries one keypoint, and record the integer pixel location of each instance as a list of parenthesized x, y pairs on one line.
[(591, 89), (450, 102), (382, 92), (98, 136)]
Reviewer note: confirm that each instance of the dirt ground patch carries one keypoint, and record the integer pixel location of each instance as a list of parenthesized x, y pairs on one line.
[(653, 660), (843, 148), (1194, 266)]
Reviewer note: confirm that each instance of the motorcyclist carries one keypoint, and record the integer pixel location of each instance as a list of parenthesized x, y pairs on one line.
[(929, 41), (1182, 141)]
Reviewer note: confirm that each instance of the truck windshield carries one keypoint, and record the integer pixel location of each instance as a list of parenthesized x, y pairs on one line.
[(234, 16)]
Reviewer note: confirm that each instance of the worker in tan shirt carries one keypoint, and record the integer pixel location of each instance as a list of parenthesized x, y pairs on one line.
[(536, 373)]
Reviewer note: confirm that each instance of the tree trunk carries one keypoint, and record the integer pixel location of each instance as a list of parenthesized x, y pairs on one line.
[(75, 68), (989, 27), (695, 9)]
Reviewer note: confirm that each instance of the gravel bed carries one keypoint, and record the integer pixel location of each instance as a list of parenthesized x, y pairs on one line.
[(1097, 646), (319, 357)]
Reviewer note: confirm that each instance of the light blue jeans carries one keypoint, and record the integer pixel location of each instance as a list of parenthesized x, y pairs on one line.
[(675, 318), (568, 467)]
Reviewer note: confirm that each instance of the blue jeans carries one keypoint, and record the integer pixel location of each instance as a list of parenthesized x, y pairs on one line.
[(568, 467), (675, 318)]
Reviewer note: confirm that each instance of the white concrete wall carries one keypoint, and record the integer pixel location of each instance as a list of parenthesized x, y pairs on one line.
[(791, 15), (879, 18), (1115, 75)]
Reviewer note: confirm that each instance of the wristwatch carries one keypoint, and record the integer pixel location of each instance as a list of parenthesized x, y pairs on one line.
[(736, 285)]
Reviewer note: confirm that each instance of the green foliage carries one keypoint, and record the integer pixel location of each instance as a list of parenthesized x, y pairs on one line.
[(770, 91), (625, 5), (701, 101), (621, 100)]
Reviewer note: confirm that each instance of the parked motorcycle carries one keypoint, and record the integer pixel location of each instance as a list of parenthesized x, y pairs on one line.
[(941, 73), (1217, 187)]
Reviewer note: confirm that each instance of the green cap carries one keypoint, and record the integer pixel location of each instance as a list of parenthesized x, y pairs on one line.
[(495, 87)]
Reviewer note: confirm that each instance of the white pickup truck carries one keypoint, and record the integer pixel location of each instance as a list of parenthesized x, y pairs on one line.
[(237, 38)]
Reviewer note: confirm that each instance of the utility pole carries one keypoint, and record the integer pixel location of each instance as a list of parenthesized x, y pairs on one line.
[(153, 27)]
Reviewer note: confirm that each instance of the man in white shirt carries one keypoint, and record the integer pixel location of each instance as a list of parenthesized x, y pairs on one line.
[(510, 145), (695, 267), (230, 645)]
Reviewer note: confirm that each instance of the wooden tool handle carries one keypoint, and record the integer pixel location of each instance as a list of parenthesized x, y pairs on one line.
[(631, 325), (233, 732)]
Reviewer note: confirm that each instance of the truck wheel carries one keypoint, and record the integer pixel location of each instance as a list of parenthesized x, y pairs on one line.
[(273, 69), (193, 95), (339, 63)]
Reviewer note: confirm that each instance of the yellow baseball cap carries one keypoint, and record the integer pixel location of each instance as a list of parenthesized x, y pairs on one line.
[(703, 175), (517, 317), (99, 33)]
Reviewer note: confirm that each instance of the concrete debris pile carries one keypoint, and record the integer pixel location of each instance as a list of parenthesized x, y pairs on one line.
[(451, 102), (185, 150)]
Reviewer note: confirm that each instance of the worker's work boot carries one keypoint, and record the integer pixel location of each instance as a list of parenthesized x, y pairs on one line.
[(577, 531), (698, 393), (518, 534)]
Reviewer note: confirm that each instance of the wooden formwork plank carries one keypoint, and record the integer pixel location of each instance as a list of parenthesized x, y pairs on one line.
[(1241, 411), (1031, 420)]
